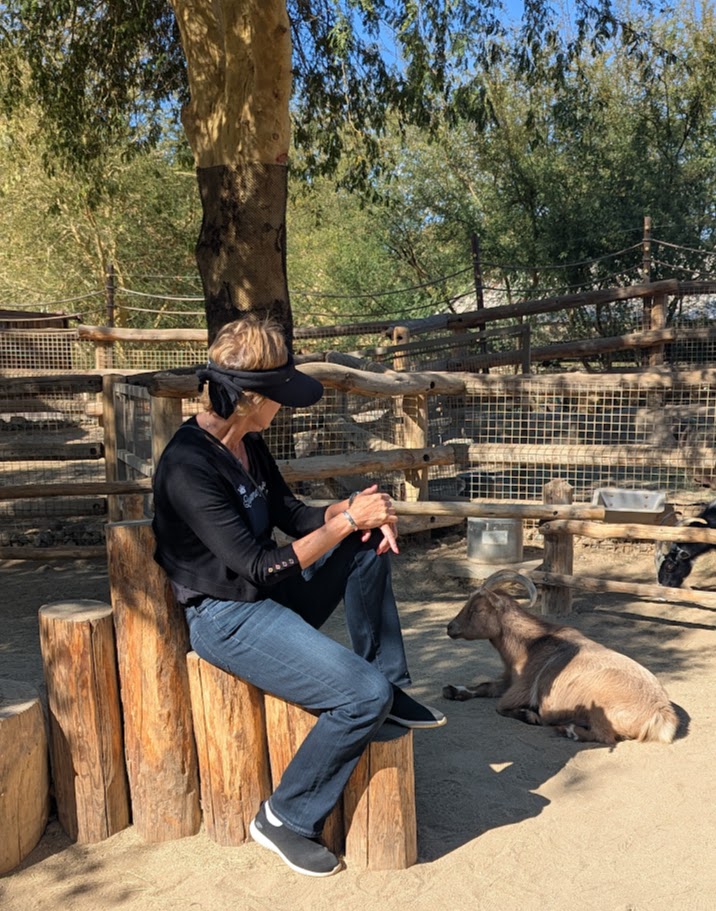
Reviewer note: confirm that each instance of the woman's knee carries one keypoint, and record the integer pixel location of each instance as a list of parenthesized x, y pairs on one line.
[(375, 697)]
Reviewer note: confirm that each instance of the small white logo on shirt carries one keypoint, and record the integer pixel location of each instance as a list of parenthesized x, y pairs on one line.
[(249, 498)]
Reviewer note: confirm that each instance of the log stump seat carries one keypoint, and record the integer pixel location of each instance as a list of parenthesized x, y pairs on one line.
[(245, 740), (24, 772), (86, 739)]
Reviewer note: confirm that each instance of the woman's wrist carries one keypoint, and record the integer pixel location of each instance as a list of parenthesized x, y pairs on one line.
[(351, 521)]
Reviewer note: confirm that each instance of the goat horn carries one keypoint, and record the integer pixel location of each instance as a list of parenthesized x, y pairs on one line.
[(509, 575), (660, 551), (695, 521)]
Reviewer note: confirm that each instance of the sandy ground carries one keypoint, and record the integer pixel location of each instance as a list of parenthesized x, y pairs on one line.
[(509, 816)]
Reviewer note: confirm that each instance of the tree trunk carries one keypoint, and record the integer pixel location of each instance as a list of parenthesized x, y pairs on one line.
[(238, 56), (241, 251)]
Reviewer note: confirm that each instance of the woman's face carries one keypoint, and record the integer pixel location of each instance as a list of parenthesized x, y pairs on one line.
[(262, 416)]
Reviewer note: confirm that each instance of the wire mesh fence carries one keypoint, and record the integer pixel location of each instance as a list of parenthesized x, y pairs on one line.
[(605, 427), (51, 435)]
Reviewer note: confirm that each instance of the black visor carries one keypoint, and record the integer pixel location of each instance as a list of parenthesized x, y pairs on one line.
[(285, 385)]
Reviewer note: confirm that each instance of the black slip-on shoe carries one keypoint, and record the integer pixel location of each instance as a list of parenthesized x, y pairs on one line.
[(304, 855), (412, 714)]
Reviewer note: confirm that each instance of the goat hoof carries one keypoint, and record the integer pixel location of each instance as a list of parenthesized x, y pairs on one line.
[(456, 693)]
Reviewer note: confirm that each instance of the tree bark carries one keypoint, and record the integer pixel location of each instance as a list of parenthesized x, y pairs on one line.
[(241, 250), (238, 56)]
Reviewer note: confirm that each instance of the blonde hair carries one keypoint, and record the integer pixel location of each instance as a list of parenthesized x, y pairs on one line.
[(250, 343)]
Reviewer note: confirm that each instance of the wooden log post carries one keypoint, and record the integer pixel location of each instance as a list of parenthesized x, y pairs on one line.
[(152, 644), (166, 418), (379, 804), (287, 726), (657, 320), (415, 436), (86, 742), (24, 772), (558, 554), (109, 427), (230, 730), (411, 411)]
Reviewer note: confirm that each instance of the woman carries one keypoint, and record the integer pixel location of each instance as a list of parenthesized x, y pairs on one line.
[(254, 608)]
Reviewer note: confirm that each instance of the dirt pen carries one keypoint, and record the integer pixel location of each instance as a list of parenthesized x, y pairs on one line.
[(501, 815)]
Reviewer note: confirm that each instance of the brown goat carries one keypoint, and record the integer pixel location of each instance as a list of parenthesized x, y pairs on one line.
[(554, 675)]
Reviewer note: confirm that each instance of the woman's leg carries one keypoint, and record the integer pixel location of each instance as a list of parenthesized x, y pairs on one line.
[(362, 578), (279, 652)]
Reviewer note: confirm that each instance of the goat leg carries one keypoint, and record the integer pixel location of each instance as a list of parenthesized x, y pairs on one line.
[(521, 713), (582, 732), (488, 688)]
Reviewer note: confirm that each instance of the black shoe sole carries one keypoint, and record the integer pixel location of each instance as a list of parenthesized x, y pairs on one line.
[(265, 842), (418, 725)]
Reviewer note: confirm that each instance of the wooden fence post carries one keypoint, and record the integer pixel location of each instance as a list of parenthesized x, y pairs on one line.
[(152, 645), (86, 743), (109, 426), (558, 554), (657, 320), (415, 436), (412, 413)]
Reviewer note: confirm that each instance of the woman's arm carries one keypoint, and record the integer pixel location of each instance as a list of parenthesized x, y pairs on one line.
[(390, 529), (370, 509)]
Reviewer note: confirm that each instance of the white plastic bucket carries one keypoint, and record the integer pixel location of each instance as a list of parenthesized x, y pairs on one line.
[(494, 540)]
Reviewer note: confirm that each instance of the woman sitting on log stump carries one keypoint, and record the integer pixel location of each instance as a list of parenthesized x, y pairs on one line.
[(254, 608)]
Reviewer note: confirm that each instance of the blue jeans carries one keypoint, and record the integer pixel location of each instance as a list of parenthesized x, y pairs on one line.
[(275, 644)]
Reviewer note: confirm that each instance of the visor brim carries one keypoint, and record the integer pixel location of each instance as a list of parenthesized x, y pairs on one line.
[(298, 391)]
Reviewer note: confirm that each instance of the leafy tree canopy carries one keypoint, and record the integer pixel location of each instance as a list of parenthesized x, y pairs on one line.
[(106, 74)]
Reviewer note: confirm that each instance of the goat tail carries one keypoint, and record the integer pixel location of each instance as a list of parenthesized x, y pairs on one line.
[(661, 727)]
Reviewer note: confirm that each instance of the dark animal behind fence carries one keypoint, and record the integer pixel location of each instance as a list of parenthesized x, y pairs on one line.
[(676, 564)]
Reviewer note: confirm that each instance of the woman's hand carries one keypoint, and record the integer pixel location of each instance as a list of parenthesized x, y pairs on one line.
[(390, 539), (374, 509)]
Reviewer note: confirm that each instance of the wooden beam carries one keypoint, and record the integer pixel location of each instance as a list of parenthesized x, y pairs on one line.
[(631, 454), (28, 552), (629, 531), (74, 489), (66, 382), (62, 507), (113, 334), (333, 376), (651, 592), (59, 452), (599, 385), (314, 467), (486, 510), (509, 311)]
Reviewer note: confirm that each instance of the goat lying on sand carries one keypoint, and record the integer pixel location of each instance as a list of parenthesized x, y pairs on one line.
[(554, 675)]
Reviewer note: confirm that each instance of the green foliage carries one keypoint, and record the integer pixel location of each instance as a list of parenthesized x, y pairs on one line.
[(549, 143), (563, 174), (101, 74), (105, 75), (60, 236)]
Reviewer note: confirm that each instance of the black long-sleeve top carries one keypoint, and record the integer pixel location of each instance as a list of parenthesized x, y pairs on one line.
[(213, 520)]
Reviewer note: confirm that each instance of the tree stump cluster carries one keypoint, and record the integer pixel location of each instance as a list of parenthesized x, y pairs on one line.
[(142, 730)]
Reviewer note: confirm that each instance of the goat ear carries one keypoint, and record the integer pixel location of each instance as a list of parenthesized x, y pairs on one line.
[(494, 598)]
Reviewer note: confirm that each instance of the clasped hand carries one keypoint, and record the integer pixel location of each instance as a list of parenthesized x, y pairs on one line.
[(375, 509)]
